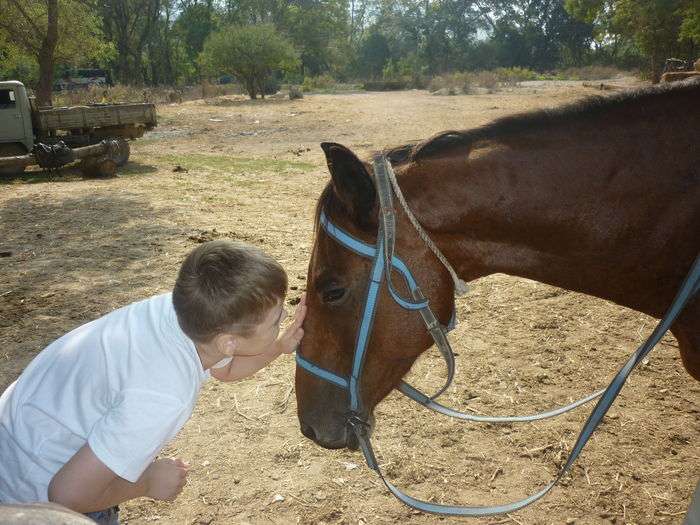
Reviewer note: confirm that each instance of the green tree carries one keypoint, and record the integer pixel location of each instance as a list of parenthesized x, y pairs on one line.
[(168, 59), (373, 55), (194, 24), (654, 25), (657, 28), (131, 25), (250, 53), (314, 26), (690, 28), (47, 32), (537, 34)]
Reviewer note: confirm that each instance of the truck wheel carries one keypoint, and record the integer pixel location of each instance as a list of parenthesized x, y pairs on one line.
[(11, 150), (98, 168), (123, 151)]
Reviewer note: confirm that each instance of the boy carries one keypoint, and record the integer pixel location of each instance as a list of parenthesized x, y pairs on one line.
[(85, 420)]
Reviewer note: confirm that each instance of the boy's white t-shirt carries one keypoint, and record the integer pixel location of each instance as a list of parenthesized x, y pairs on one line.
[(125, 384)]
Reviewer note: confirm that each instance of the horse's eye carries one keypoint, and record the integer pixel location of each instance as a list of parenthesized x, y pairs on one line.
[(333, 295)]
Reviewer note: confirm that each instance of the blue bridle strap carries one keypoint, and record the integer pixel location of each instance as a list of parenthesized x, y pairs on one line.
[(376, 276), (367, 250), (321, 372)]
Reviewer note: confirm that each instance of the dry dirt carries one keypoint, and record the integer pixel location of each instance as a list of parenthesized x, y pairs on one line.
[(252, 170)]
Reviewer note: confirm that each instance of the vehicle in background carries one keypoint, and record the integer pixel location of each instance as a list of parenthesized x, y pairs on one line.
[(96, 136), (83, 79)]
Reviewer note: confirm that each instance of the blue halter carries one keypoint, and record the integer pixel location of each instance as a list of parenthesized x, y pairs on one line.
[(352, 384), (383, 257)]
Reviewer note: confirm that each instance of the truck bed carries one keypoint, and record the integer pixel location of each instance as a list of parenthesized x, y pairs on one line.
[(96, 116)]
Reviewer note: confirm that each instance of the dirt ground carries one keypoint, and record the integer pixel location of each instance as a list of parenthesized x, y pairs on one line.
[(75, 249)]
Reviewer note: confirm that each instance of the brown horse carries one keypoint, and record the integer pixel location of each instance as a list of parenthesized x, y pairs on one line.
[(600, 197)]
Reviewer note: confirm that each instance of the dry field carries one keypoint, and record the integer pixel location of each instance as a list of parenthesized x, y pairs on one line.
[(252, 170)]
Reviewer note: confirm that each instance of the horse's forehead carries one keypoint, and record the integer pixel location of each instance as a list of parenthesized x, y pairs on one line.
[(328, 252)]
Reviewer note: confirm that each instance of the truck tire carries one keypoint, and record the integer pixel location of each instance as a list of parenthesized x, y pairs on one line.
[(123, 151), (11, 150), (101, 167)]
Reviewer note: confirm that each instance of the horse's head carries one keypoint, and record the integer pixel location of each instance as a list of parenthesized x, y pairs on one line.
[(336, 292)]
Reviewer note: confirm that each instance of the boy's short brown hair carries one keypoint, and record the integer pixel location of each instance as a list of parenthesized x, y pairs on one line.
[(226, 286)]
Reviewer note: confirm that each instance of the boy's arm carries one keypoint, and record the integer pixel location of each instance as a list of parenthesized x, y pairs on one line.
[(243, 366), (85, 484)]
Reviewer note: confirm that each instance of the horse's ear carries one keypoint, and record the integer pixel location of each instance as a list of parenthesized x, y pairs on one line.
[(351, 183)]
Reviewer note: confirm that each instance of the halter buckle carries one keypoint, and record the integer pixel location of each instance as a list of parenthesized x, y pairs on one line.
[(357, 423)]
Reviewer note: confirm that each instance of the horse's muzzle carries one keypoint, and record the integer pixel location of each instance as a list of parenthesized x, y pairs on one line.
[(341, 438)]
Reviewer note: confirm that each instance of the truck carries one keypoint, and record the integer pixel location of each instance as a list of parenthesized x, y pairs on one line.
[(94, 136), (83, 79)]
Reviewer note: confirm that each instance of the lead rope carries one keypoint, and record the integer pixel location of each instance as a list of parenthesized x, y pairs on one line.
[(461, 287), (690, 286)]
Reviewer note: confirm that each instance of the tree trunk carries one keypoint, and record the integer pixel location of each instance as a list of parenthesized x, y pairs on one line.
[(250, 88), (46, 55), (655, 68)]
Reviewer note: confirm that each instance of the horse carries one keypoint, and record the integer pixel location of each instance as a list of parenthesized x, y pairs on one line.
[(600, 197)]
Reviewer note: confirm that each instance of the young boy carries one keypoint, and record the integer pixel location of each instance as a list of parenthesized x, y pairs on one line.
[(85, 420)]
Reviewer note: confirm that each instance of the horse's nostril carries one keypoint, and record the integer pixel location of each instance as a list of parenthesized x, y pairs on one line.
[(308, 431)]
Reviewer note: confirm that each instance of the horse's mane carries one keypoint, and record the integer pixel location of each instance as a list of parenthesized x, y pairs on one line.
[(449, 140), (513, 124)]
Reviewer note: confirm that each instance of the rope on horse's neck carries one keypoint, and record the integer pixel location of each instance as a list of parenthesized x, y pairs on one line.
[(460, 285)]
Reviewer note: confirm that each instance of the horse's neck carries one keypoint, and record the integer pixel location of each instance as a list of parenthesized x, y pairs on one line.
[(559, 213)]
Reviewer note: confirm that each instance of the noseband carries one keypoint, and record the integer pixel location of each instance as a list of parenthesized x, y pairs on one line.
[(384, 261)]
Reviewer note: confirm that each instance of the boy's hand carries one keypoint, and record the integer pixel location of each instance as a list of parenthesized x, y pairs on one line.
[(165, 478), (291, 337)]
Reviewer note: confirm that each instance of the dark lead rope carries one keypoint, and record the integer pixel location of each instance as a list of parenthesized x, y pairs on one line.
[(690, 287)]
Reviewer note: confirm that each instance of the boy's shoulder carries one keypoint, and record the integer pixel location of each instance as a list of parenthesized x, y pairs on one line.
[(140, 345)]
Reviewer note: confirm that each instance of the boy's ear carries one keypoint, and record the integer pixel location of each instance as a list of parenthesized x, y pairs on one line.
[(226, 344), (352, 183)]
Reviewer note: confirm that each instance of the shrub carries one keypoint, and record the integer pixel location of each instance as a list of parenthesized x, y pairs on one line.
[(384, 85), (295, 92), (320, 82), (453, 82), (486, 79), (158, 94), (512, 76)]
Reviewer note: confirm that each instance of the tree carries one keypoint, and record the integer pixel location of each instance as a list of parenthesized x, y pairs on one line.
[(654, 25), (194, 24), (374, 54), (49, 31), (250, 53), (658, 28), (166, 54), (537, 34), (313, 26), (690, 28), (130, 25)]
